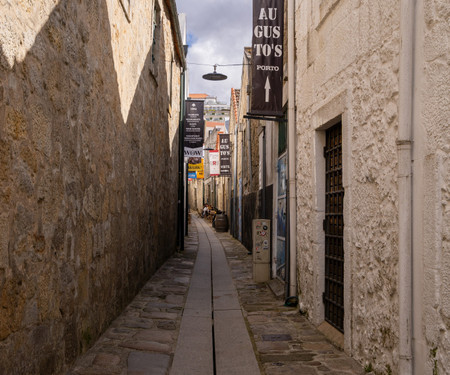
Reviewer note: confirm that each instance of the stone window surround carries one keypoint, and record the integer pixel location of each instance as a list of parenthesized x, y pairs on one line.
[(325, 117)]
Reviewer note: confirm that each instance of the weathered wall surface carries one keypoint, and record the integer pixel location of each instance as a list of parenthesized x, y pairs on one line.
[(88, 144), (347, 65), (195, 195), (432, 156)]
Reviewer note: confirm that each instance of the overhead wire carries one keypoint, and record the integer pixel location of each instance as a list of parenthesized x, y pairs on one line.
[(192, 63)]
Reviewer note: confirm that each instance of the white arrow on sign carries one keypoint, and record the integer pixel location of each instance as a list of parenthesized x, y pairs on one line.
[(267, 88)]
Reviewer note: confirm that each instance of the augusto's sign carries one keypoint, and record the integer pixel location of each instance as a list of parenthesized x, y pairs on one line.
[(267, 58)]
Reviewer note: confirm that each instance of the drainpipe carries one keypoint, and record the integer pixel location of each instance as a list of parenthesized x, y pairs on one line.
[(235, 150), (180, 231), (291, 153), (249, 149), (404, 150), (264, 174)]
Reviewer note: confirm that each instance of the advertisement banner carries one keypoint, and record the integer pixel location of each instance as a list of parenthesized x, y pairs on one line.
[(194, 128), (225, 154), (214, 163), (195, 165), (267, 58)]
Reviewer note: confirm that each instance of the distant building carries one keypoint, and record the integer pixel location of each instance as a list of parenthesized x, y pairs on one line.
[(253, 178), (213, 190), (217, 115)]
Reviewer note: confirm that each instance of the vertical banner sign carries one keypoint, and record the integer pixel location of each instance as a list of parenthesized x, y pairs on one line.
[(225, 154), (214, 163), (267, 58), (194, 128)]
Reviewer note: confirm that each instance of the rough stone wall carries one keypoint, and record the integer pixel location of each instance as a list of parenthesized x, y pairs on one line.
[(234, 144), (88, 172), (195, 195), (433, 157), (347, 64)]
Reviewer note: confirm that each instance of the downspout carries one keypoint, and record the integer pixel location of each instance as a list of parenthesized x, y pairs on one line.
[(404, 150), (235, 196), (181, 167), (249, 147), (264, 175), (291, 152)]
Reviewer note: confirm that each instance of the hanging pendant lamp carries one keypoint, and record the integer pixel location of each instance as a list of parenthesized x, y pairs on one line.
[(215, 76)]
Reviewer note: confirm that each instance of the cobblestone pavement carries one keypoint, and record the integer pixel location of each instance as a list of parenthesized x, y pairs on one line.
[(285, 342), (143, 339)]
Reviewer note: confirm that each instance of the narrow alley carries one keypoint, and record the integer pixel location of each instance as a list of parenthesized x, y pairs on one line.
[(224, 187), (201, 313)]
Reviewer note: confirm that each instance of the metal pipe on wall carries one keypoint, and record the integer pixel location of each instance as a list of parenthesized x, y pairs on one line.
[(291, 153), (264, 166), (404, 150), (249, 144), (235, 169), (181, 182)]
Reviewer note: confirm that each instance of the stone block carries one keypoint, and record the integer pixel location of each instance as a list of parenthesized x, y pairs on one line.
[(155, 335), (106, 359), (148, 363), (148, 346)]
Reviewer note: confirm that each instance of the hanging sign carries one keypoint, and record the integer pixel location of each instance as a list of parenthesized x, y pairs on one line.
[(214, 163), (225, 154), (194, 128), (267, 58), (195, 165)]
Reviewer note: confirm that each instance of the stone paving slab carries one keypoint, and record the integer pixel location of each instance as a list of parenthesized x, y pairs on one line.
[(230, 348), (234, 354), (197, 356)]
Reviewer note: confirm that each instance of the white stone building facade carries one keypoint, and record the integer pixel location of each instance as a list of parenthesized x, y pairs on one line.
[(380, 71)]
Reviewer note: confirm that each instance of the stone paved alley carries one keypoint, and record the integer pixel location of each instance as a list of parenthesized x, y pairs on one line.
[(155, 334)]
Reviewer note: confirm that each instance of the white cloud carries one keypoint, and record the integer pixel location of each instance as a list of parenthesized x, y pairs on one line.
[(219, 30)]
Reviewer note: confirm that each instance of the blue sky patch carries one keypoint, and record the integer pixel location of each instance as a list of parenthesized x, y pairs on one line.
[(191, 39)]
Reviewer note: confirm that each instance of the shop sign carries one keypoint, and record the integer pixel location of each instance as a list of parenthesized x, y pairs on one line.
[(267, 58), (214, 163), (194, 128), (225, 154), (195, 165)]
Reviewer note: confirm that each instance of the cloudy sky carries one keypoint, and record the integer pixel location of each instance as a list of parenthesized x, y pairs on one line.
[(218, 31)]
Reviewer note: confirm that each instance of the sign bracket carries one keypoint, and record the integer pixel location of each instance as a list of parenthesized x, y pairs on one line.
[(265, 118)]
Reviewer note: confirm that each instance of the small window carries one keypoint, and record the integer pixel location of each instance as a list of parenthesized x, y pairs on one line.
[(126, 5)]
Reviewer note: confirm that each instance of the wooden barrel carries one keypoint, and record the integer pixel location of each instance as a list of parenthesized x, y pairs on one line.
[(221, 223)]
